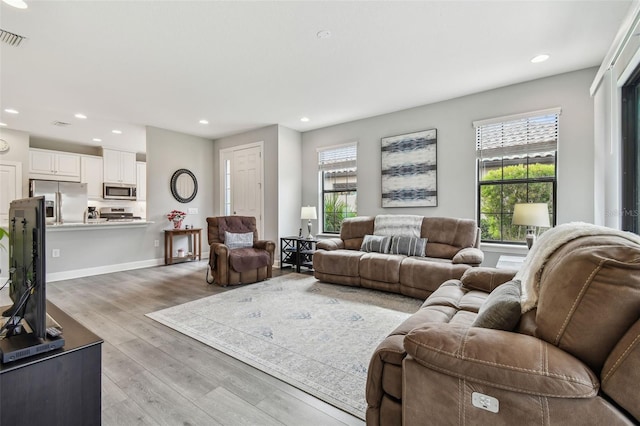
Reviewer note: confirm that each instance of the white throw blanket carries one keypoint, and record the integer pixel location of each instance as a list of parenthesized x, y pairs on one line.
[(389, 225), (546, 245)]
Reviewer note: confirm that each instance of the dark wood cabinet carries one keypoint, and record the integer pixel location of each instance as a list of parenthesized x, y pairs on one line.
[(62, 387)]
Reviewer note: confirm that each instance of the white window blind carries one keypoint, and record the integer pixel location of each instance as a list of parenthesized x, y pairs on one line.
[(338, 157), (517, 136)]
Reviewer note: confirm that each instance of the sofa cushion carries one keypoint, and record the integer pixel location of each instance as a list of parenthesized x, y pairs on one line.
[(501, 310), (448, 235), (238, 240), (381, 267), (589, 296), (338, 262), (501, 359), (420, 276), (375, 243), (353, 230), (410, 246)]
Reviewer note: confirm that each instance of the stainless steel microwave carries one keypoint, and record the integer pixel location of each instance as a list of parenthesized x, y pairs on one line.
[(119, 191)]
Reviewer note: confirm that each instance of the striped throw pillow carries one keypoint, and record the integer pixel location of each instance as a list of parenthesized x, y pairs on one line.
[(411, 246), (375, 243)]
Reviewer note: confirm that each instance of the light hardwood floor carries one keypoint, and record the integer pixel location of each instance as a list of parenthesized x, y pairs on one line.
[(153, 375)]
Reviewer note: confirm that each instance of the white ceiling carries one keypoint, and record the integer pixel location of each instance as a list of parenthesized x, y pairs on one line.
[(243, 65)]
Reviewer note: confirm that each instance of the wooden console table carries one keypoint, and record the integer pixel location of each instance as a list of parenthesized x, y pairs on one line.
[(195, 246), (61, 387)]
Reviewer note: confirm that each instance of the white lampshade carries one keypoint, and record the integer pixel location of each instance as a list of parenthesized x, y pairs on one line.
[(531, 214), (308, 213)]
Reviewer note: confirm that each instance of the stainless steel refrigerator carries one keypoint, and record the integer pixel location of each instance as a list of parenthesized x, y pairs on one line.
[(65, 202)]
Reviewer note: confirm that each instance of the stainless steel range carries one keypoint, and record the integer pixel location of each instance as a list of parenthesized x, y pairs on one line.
[(118, 214)]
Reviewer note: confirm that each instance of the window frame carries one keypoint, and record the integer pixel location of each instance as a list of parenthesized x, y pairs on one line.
[(630, 197), (322, 190), (553, 180)]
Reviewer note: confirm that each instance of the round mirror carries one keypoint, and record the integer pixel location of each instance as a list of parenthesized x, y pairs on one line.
[(184, 185)]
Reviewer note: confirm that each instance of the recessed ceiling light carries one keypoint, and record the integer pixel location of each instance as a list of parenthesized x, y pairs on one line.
[(304, 119), (11, 111), (3, 124), (96, 140), (116, 131), (203, 122), (80, 116), (323, 34), (20, 4), (540, 58)]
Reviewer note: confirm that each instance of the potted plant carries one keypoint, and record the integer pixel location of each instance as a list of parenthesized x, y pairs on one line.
[(176, 216)]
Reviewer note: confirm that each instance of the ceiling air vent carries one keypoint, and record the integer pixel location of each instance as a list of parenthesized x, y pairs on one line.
[(61, 124), (10, 38)]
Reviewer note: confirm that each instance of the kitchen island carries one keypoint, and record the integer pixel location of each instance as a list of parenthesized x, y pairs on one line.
[(84, 249)]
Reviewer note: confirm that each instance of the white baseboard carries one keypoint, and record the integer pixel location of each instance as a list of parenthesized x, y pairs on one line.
[(107, 269)]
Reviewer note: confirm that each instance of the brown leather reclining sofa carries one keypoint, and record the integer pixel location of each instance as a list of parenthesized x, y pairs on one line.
[(574, 360), (452, 248)]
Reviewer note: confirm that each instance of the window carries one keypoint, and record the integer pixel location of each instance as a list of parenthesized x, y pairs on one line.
[(517, 158), (339, 184)]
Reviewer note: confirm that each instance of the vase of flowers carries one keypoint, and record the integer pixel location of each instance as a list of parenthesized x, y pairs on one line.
[(176, 216)]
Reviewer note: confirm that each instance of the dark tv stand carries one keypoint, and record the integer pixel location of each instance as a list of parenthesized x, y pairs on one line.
[(61, 387)]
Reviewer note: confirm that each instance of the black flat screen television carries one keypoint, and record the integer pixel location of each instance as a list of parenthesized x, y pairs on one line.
[(27, 257)]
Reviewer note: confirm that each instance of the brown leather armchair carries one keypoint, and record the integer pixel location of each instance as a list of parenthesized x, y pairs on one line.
[(575, 360), (241, 265)]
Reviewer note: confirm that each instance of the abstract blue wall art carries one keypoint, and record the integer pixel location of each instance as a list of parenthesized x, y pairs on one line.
[(409, 170)]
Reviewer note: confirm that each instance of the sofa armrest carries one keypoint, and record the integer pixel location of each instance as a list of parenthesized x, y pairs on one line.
[(330, 244), (267, 245), (486, 279), (218, 253), (505, 360), (469, 255)]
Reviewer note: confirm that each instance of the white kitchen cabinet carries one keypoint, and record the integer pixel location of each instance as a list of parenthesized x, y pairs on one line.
[(91, 173), (119, 166), (45, 164), (141, 181)]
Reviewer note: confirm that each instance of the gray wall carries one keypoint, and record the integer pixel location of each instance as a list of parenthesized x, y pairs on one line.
[(18, 152), (168, 151), (456, 146), (289, 182), (268, 135)]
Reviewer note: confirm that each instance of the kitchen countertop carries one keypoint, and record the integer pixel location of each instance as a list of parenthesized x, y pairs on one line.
[(98, 225)]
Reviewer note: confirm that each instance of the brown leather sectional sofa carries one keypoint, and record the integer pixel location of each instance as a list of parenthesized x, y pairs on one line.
[(452, 248), (575, 360)]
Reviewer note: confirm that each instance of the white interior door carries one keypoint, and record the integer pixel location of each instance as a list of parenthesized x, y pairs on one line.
[(10, 187), (242, 173)]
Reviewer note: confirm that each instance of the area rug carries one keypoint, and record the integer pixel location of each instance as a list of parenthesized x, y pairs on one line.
[(317, 337)]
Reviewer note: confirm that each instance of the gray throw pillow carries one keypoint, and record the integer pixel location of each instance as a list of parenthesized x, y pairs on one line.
[(375, 243), (234, 241), (411, 246), (501, 310)]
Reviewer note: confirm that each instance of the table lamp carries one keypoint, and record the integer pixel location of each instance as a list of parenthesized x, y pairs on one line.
[(308, 213), (531, 215)]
